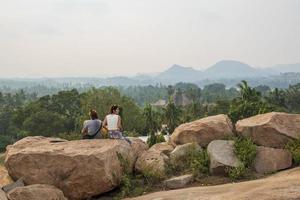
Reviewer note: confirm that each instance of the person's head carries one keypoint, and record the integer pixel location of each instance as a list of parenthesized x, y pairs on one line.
[(114, 109), (93, 114)]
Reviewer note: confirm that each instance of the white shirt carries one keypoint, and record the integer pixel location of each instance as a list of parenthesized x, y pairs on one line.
[(112, 122)]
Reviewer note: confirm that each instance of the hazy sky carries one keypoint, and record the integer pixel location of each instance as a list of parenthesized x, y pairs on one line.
[(112, 37)]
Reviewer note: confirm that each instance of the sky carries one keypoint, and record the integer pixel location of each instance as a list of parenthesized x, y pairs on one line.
[(60, 38)]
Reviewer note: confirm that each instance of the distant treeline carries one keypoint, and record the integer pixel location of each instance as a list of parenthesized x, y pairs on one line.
[(62, 114)]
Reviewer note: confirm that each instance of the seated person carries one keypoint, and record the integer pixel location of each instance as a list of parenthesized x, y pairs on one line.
[(113, 124), (92, 128)]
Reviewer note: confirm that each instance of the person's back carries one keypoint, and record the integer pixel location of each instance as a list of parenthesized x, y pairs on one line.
[(93, 126), (112, 122)]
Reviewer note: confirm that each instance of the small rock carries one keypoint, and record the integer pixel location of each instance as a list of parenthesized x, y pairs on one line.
[(222, 156), (271, 160), (179, 182), (36, 192), (18, 183)]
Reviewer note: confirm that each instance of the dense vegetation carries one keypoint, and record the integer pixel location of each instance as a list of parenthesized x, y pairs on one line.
[(62, 114)]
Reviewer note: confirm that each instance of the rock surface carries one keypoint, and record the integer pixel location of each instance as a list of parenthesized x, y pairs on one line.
[(179, 182), (221, 153), (2, 195), (270, 130), (9, 187), (282, 186), (203, 131), (138, 146), (4, 177), (81, 168), (154, 159), (36, 192), (271, 160), (179, 154)]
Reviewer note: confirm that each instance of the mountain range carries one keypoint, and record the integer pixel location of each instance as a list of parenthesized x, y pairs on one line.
[(228, 72), (225, 69)]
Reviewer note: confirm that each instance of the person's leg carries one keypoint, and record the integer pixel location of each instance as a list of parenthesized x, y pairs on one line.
[(120, 135)]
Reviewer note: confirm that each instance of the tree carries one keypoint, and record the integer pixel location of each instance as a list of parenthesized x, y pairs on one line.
[(152, 124), (102, 99), (249, 103), (172, 115)]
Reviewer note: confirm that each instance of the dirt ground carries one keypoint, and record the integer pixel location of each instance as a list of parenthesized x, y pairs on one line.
[(281, 186)]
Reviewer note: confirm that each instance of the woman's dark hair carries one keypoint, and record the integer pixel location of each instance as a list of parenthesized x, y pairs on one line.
[(113, 108), (93, 114)]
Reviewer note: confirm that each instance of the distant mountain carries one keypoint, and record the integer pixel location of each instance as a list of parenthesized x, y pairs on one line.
[(286, 68), (178, 73), (228, 69)]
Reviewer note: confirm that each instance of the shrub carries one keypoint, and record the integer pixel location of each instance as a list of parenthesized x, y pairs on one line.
[(151, 176), (195, 161), (237, 172), (199, 162), (125, 183), (294, 147), (245, 150)]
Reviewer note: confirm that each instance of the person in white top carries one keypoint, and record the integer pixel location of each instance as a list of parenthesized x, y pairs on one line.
[(113, 123)]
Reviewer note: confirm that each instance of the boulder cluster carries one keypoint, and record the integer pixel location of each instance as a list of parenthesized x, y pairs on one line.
[(85, 168)]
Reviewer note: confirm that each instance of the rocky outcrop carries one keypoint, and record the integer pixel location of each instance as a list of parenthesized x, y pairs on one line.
[(271, 129), (222, 156), (271, 160), (4, 177), (138, 146), (155, 159), (36, 192), (179, 182), (81, 168), (179, 155), (203, 131), (282, 186)]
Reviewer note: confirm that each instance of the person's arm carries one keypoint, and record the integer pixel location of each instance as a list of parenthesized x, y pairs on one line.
[(104, 123), (120, 123), (84, 130)]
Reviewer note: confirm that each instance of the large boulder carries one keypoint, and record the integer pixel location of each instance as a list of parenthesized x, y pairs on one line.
[(222, 156), (178, 156), (270, 130), (154, 159), (271, 160), (36, 192), (81, 168), (203, 131)]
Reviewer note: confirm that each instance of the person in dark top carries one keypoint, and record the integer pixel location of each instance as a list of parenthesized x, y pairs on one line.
[(92, 128)]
